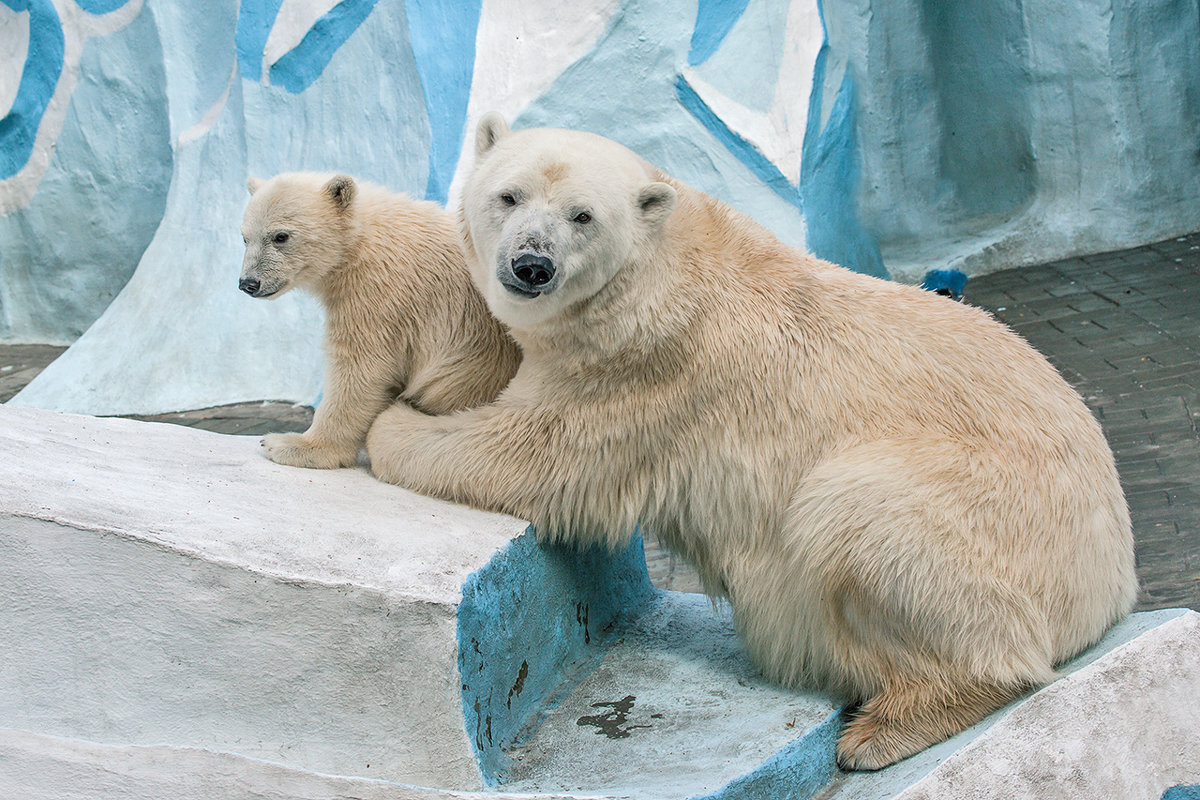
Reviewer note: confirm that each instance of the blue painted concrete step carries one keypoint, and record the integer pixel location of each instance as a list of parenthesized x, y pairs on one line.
[(674, 710)]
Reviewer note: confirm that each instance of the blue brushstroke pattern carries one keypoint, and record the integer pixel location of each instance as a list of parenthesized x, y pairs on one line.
[(255, 20), (43, 65), (829, 176), (443, 42), (304, 63), (714, 18), (100, 6), (747, 153)]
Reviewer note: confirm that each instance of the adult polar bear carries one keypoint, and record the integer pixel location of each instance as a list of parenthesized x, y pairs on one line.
[(903, 502)]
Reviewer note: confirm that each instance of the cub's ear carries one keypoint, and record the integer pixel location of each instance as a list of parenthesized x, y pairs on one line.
[(254, 184), (655, 203), (340, 190), (492, 128)]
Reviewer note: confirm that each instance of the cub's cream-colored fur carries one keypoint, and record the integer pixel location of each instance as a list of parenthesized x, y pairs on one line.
[(402, 315), (902, 501)]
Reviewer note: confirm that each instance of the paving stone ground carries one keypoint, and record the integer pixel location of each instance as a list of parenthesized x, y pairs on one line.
[(1122, 327)]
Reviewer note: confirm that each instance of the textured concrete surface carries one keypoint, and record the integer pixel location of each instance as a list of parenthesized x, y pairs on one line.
[(172, 587), (167, 585), (38, 767)]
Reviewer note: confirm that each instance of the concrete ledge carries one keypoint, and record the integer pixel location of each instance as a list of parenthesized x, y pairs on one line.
[(182, 618), (166, 585)]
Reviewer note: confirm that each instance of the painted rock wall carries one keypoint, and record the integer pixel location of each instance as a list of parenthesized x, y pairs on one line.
[(933, 137), (1001, 134)]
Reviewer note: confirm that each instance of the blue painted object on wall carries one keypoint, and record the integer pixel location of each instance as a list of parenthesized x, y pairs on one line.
[(298, 68), (443, 43), (43, 65), (255, 20), (948, 282), (531, 624), (1183, 792)]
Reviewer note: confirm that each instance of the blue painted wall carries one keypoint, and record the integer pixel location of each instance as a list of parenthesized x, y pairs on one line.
[(892, 138)]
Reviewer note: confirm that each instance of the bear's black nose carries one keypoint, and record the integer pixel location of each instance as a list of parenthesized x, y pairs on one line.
[(249, 285), (533, 270)]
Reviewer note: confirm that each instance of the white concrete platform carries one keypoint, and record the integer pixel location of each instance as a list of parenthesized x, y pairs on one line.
[(163, 585), (675, 695), (182, 618)]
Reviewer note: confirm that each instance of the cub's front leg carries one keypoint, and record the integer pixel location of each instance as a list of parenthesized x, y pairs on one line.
[(339, 428)]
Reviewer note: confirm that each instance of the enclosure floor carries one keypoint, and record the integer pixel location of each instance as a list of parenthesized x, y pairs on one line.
[(1122, 327)]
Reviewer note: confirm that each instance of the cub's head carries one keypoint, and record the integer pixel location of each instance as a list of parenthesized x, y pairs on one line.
[(552, 215), (295, 231)]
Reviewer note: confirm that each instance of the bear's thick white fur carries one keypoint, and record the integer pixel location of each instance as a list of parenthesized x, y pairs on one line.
[(402, 315), (902, 501)]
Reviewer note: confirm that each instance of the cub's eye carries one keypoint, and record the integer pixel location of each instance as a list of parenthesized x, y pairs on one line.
[(245, 240), (280, 237), (583, 218), (508, 199)]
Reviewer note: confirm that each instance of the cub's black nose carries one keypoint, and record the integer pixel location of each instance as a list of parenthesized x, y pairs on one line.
[(249, 285), (533, 270)]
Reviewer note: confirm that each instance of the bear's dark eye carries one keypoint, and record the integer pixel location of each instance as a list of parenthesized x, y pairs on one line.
[(508, 199), (280, 237), (583, 218)]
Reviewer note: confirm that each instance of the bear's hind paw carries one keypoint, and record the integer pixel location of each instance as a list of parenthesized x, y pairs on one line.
[(907, 718)]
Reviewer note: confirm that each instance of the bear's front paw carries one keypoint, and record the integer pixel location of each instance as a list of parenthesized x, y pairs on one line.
[(297, 450)]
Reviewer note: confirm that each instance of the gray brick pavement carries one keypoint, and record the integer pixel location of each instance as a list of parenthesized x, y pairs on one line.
[(1124, 329)]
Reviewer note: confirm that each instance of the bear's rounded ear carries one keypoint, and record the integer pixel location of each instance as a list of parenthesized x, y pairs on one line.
[(254, 184), (491, 129), (655, 203), (340, 190)]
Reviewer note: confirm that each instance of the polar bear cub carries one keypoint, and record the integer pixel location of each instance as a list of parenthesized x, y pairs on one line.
[(402, 316), (902, 501)]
